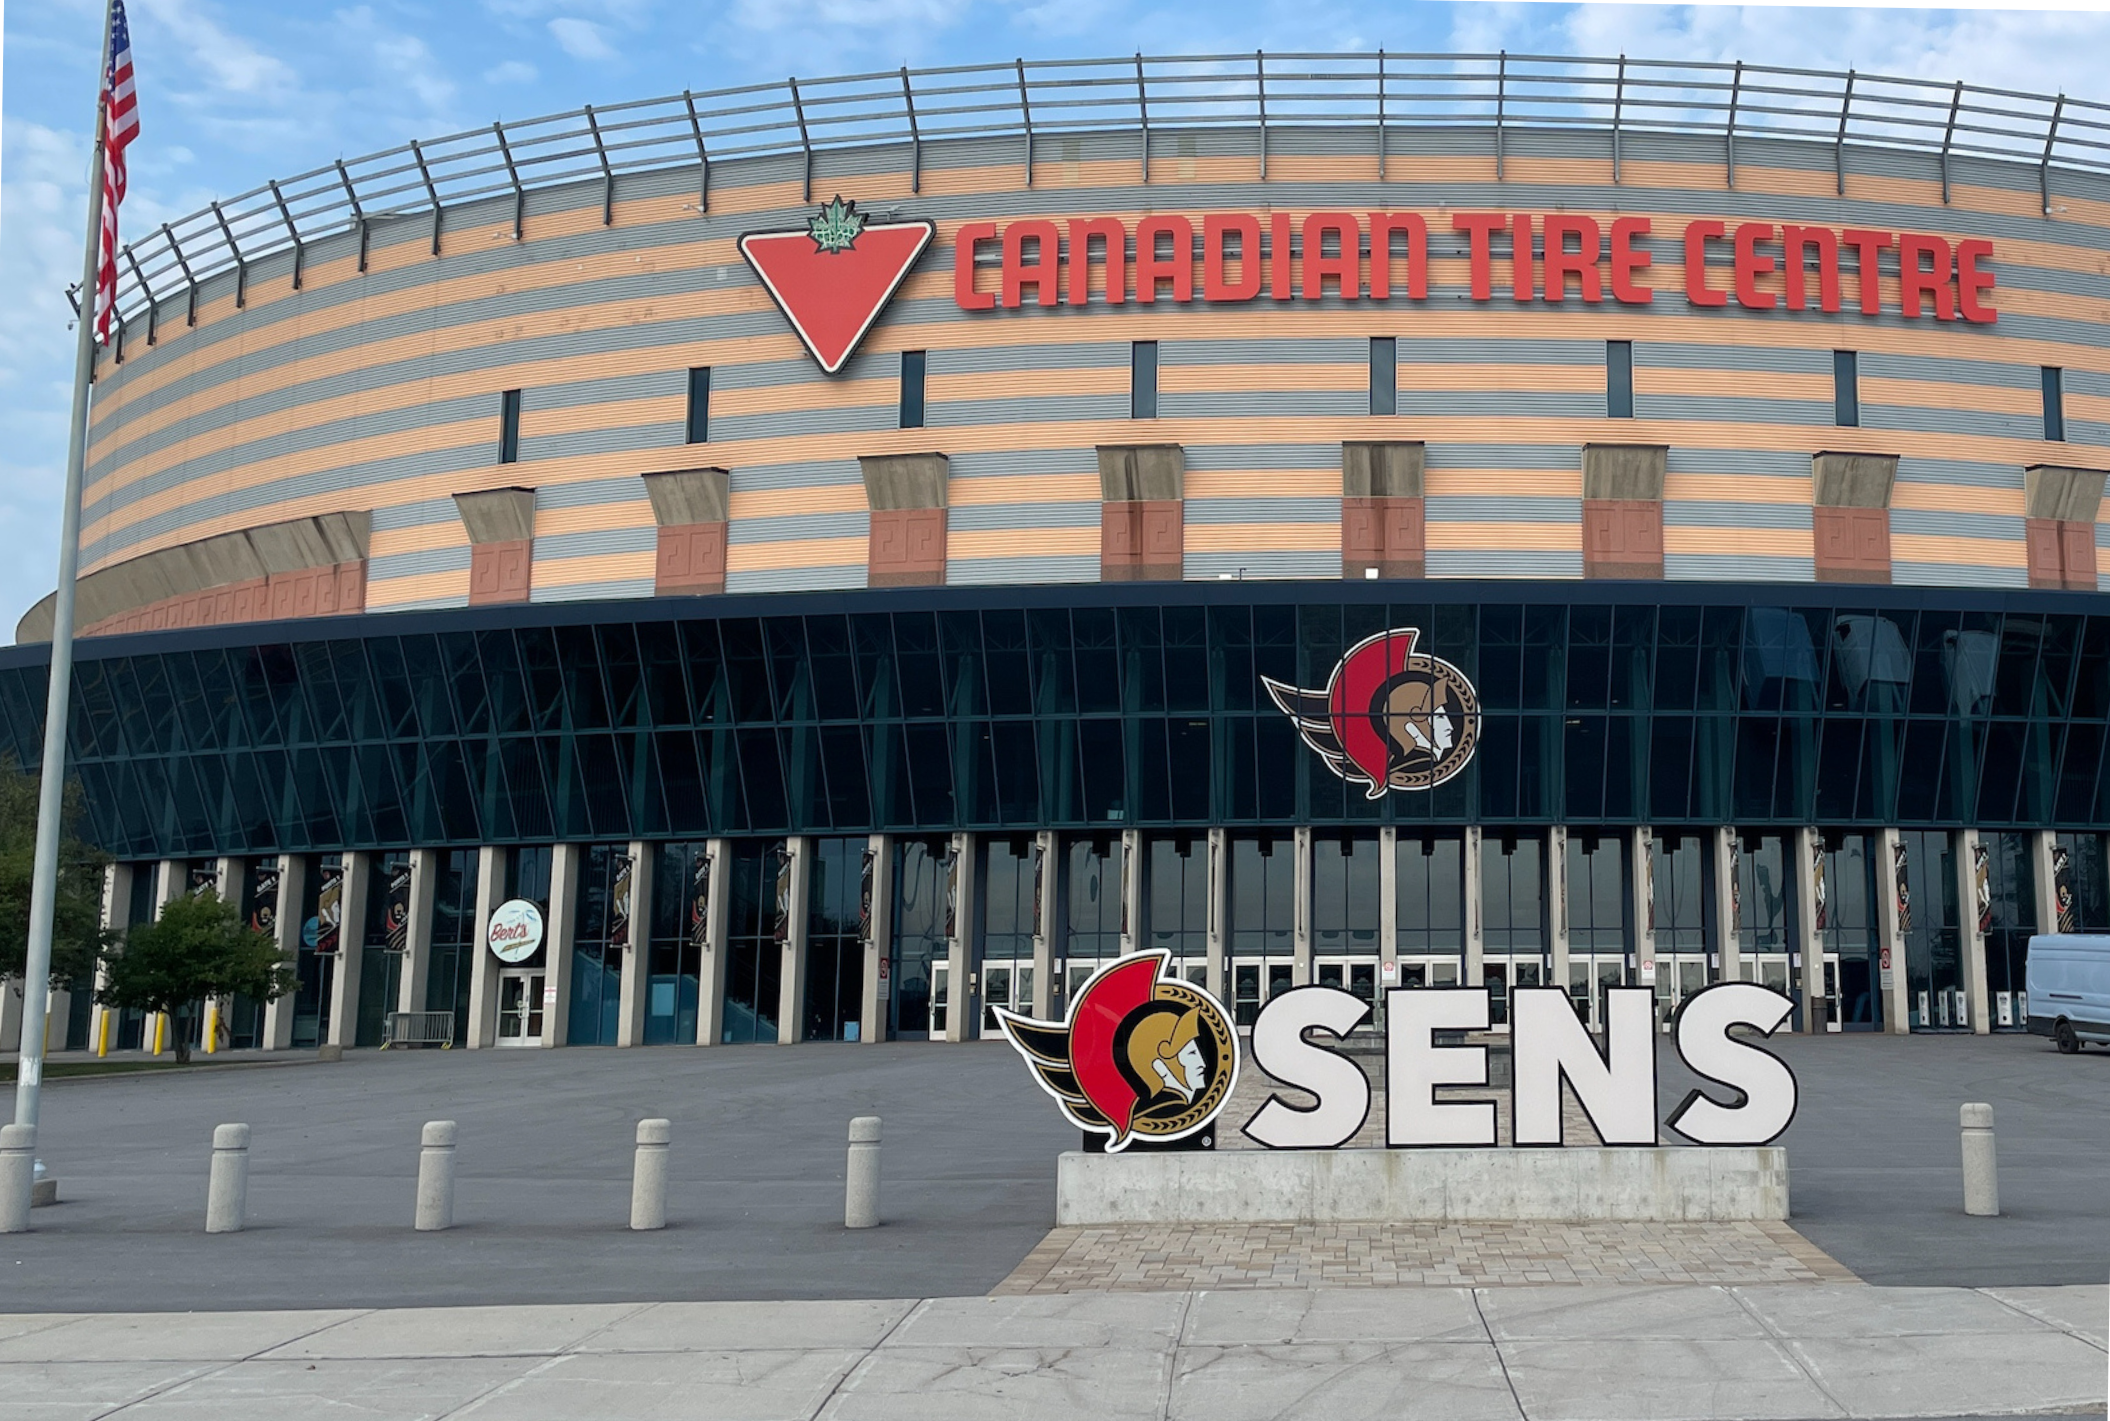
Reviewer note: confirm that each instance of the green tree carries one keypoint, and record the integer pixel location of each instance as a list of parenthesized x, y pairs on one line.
[(199, 947), (77, 934)]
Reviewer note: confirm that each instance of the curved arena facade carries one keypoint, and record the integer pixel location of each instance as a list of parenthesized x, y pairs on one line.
[(857, 556)]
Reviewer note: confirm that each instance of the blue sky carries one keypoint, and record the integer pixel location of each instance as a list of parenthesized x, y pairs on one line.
[(235, 91)]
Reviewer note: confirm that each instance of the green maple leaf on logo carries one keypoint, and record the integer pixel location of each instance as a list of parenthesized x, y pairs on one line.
[(835, 229)]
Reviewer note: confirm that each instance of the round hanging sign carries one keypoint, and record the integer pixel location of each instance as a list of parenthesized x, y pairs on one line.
[(516, 931)]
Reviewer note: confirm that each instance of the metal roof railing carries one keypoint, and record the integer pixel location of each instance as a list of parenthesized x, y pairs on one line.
[(1034, 100)]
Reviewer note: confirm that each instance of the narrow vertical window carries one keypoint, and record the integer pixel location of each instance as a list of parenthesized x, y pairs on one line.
[(509, 427), (1846, 389), (912, 389), (1384, 375), (700, 405), (2054, 403), (1143, 380), (1619, 379)]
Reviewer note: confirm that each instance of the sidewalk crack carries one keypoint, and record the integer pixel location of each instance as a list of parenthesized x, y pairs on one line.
[(1788, 1349), (848, 1379), (1500, 1360), (1172, 1355)]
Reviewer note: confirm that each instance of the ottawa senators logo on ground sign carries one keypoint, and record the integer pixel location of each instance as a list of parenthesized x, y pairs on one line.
[(1141, 1055), (1389, 718)]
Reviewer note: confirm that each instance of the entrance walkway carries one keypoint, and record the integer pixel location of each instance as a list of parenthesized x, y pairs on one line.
[(1784, 1353)]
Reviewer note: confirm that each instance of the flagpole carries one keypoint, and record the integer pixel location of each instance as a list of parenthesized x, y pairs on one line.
[(51, 789)]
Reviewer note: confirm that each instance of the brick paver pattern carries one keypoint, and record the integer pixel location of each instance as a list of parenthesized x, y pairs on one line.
[(1156, 1257)]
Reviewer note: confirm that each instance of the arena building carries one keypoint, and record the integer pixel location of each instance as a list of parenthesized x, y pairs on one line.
[(853, 554)]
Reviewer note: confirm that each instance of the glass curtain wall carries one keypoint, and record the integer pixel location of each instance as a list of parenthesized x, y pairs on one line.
[(258, 901), (675, 961), (1765, 901), (2080, 885), (1429, 889), (600, 935), (1513, 916), (384, 920), (1010, 887), (1849, 928), (1597, 919), (1263, 926), (1678, 879), (1347, 901), (2008, 916), (321, 938), (759, 884), (835, 956), (454, 942), (1176, 902), (1934, 996), (521, 984), (919, 936), (1092, 920)]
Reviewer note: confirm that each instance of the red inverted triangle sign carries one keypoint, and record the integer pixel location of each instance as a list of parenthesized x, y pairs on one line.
[(832, 298)]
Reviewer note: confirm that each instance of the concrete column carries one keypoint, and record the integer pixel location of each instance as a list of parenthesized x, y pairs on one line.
[(1044, 923), (1641, 888), (963, 1012), (1300, 971), (2041, 843), (1557, 906), (879, 941), (417, 937), (1977, 1001), (1387, 911), (1134, 933), (342, 1010), (1219, 912), (1729, 944), (10, 1014), (1475, 927), (637, 951), (227, 882), (1891, 950), (717, 915), (791, 989), (559, 935), (117, 901), (483, 969), (292, 886), (1807, 846)]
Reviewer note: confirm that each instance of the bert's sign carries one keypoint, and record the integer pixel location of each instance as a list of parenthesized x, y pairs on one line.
[(1143, 1055)]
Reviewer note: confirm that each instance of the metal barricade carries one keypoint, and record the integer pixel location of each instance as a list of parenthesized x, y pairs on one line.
[(418, 1028)]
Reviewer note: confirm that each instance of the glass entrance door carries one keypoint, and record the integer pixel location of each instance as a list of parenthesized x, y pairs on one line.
[(1354, 975), (520, 1008), (1008, 985), (1254, 983)]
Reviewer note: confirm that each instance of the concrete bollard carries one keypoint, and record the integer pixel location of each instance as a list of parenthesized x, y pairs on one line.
[(18, 1174), (861, 1191), (436, 1176), (648, 1181), (227, 1192), (1981, 1173)]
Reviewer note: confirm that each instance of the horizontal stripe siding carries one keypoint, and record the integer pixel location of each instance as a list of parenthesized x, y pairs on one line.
[(380, 391)]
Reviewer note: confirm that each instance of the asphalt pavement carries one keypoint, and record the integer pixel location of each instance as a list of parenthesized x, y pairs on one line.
[(755, 1203)]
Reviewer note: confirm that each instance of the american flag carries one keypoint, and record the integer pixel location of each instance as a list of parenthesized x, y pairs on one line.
[(120, 127)]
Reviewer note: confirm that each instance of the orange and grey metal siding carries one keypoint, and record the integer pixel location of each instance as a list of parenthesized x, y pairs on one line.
[(379, 390)]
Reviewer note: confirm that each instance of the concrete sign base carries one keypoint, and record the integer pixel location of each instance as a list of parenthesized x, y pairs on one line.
[(1424, 1185)]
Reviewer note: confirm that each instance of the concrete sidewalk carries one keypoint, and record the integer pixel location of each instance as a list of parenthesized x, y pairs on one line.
[(1792, 1352)]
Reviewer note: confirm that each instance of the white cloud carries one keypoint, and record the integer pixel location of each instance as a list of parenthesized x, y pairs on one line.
[(227, 62), (581, 39), (512, 71)]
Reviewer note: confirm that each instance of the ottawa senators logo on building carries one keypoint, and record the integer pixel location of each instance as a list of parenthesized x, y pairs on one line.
[(1389, 718), (832, 277), (1141, 1055)]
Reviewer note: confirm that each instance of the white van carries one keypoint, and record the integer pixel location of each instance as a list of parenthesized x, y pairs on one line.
[(2069, 988)]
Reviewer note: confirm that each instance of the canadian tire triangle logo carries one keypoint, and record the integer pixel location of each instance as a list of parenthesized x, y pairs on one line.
[(832, 277)]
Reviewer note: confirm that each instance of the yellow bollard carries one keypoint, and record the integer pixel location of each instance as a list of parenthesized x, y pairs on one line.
[(102, 1031), (160, 1024), (212, 1025)]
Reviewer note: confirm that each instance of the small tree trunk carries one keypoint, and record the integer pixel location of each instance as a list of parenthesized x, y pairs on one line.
[(179, 1029)]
